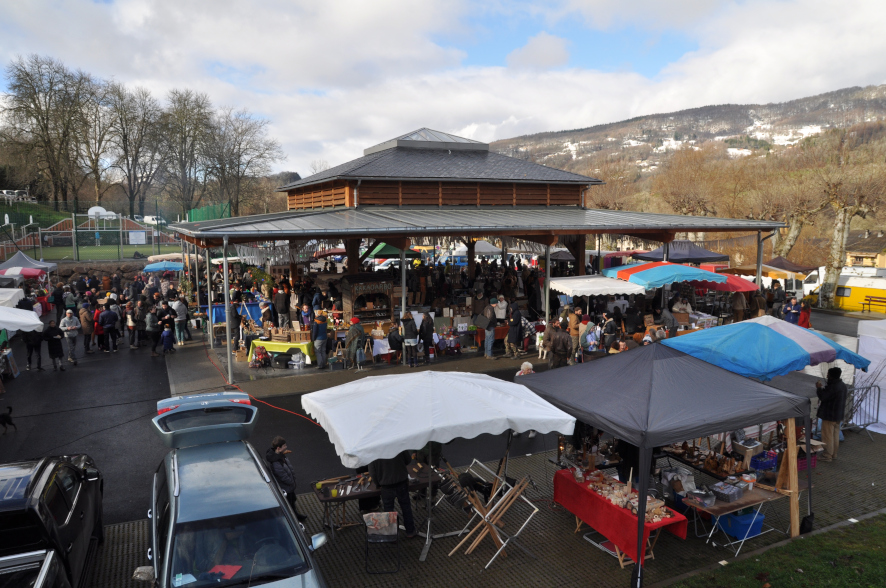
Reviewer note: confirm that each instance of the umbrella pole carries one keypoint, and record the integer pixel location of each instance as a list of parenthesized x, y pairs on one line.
[(428, 537)]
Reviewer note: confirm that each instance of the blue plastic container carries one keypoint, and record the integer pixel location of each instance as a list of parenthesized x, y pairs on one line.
[(737, 525)]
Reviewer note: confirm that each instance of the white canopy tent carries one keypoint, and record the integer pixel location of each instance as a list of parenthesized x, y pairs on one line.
[(9, 297), (480, 248), (378, 417), (15, 319), (23, 260), (596, 285), (872, 345), (173, 257)]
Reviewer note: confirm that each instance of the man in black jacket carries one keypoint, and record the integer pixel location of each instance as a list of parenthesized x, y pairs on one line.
[(283, 472), (34, 344), (831, 410), (561, 347), (281, 305), (391, 478)]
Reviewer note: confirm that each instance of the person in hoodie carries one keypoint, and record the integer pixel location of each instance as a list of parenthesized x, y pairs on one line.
[(168, 340), (318, 338), (53, 337), (282, 470), (108, 321), (69, 326)]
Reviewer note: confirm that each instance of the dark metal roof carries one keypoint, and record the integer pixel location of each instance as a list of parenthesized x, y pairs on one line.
[(453, 220), (431, 165)]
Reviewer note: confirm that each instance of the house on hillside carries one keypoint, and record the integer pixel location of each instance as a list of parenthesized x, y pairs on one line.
[(866, 249)]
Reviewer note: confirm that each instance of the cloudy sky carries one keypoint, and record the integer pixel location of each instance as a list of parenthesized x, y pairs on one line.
[(337, 76)]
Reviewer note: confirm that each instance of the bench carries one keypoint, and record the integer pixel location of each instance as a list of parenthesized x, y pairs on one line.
[(870, 301)]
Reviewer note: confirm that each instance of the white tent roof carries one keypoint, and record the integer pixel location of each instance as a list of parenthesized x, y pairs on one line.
[(16, 319), (594, 286), (10, 296), (872, 345), (172, 257), (480, 248), (378, 417), (23, 260), (875, 329)]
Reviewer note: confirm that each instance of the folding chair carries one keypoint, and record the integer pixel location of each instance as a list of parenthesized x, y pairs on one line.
[(381, 528)]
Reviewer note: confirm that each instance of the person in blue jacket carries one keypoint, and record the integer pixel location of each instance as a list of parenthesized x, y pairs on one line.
[(168, 339), (791, 312)]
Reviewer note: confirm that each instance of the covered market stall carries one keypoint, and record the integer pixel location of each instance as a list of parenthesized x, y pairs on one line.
[(670, 397), (380, 417), (679, 251)]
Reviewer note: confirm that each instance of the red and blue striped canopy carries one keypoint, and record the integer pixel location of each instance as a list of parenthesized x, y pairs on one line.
[(660, 273)]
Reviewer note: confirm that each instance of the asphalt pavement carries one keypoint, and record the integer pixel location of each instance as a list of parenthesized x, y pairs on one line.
[(834, 323)]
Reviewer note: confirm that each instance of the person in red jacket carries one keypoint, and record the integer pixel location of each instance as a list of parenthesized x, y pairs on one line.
[(805, 314)]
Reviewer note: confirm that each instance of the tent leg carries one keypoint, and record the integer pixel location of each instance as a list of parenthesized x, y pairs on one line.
[(228, 310), (642, 492), (403, 291), (428, 537), (547, 284), (208, 300), (807, 422), (760, 260)]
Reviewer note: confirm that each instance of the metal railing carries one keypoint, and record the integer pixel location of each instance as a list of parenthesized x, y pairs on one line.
[(862, 409)]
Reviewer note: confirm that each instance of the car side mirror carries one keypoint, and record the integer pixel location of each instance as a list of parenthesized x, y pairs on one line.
[(91, 474), (318, 541)]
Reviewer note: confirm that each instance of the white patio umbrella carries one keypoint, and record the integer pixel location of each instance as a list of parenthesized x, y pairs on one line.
[(16, 319), (378, 417), (595, 285)]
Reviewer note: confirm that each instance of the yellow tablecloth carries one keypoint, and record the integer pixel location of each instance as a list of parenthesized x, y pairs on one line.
[(276, 347)]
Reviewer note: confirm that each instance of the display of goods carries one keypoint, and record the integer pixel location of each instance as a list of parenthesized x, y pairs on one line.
[(727, 492), (619, 495), (765, 461), (705, 498)]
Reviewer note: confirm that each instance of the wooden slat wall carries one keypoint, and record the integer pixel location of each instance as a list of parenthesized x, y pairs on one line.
[(319, 196), (435, 193)]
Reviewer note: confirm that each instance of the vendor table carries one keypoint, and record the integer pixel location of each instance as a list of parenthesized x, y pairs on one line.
[(218, 311), (335, 510), (500, 333), (756, 498), (617, 524), (279, 347), (45, 305)]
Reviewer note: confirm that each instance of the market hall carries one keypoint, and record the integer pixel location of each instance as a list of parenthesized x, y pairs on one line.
[(428, 185)]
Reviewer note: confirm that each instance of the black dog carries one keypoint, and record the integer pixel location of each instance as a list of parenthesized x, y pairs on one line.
[(6, 420)]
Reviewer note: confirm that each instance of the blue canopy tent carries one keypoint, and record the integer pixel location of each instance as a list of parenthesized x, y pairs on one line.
[(164, 266), (763, 348), (658, 274)]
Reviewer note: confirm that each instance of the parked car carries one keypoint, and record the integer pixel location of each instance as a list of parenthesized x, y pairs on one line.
[(50, 516), (218, 517), (35, 569)]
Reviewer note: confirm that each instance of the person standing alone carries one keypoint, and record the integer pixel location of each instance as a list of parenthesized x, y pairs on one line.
[(831, 410), (69, 326), (282, 470)]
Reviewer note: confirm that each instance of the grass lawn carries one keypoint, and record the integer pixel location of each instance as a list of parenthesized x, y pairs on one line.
[(105, 252), (850, 556)]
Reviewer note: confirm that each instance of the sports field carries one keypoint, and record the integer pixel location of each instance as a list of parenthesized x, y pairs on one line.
[(100, 253)]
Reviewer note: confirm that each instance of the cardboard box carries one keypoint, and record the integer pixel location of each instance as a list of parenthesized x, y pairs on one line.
[(241, 355)]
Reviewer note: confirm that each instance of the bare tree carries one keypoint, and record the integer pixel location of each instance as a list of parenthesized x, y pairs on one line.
[(136, 139), (619, 176), (183, 131), (238, 151), (319, 165), (689, 181), (94, 136), (43, 112)]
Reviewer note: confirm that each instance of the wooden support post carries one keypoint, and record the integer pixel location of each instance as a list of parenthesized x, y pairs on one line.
[(793, 484), (472, 263), (352, 248), (440, 192)]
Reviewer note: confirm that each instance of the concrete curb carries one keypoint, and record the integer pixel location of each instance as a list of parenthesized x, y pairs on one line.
[(756, 552)]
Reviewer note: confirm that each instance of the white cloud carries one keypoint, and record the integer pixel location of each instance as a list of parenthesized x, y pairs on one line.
[(337, 77), (543, 51)]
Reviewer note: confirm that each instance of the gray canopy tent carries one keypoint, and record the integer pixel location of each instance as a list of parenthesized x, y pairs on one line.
[(22, 260), (655, 395)]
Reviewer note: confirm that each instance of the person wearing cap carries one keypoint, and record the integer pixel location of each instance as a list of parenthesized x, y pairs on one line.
[(69, 326), (355, 333)]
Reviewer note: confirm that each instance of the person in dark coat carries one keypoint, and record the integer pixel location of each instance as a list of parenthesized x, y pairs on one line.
[(395, 341), (561, 346), (108, 320), (831, 410), (410, 338), (58, 295), (515, 332), (53, 337), (318, 338), (34, 344), (426, 334), (283, 472), (392, 480)]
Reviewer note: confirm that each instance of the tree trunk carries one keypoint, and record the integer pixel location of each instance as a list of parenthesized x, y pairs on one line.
[(836, 256), (783, 247)]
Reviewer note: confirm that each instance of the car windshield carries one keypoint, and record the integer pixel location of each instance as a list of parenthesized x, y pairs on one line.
[(256, 547)]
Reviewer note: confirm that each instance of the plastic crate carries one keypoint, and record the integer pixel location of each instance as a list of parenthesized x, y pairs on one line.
[(736, 526), (765, 461), (727, 492), (801, 462)]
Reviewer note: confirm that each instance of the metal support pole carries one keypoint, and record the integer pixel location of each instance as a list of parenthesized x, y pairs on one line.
[(40, 240), (208, 300), (547, 283), (599, 268), (120, 248), (403, 291), (666, 252), (228, 312), (74, 236), (759, 260)]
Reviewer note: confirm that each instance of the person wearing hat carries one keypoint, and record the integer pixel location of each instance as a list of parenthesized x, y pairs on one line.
[(69, 326), (352, 341), (831, 411)]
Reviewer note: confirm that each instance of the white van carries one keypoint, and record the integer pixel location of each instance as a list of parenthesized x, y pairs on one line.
[(155, 220), (814, 280)]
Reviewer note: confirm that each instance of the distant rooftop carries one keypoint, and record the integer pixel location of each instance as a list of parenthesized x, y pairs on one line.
[(426, 138)]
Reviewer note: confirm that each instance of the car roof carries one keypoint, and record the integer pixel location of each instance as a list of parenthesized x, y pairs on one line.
[(220, 479), (15, 483)]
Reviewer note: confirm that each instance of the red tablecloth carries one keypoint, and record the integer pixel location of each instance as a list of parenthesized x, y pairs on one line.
[(615, 523), (500, 333), (44, 301)]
